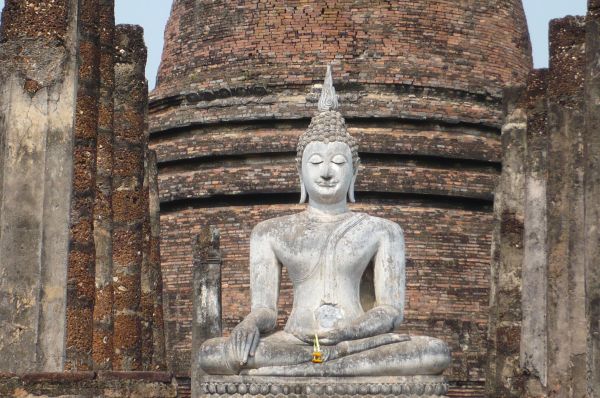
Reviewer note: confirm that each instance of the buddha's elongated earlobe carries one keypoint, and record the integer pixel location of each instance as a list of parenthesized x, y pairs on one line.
[(351, 190), (302, 191)]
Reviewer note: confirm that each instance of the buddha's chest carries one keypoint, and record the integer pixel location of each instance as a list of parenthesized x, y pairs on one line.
[(323, 251)]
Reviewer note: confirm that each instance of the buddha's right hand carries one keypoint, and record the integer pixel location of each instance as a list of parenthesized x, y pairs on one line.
[(243, 341)]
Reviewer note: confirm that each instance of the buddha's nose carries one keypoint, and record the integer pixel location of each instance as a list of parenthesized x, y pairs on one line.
[(326, 173)]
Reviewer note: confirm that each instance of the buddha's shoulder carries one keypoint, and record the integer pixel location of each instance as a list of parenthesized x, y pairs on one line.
[(277, 224), (383, 224)]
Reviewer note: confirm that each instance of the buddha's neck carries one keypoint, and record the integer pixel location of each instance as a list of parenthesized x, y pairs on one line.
[(327, 210)]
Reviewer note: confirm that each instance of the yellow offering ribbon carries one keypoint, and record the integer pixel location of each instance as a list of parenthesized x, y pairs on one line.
[(317, 356)]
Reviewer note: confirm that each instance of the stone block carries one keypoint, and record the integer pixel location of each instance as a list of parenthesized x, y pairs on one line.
[(335, 387)]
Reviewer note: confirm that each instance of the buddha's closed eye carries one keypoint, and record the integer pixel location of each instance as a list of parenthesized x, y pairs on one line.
[(315, 159), (338, 159)]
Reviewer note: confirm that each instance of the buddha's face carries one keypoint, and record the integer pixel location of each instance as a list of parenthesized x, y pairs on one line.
[(327, 171)]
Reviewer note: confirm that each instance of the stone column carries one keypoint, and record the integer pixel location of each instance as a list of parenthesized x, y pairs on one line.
[(206, 293), (566, 316), (151, 305), (560, 292), (592, 195), (128, 204), (156, 280), (507, 257), (533, 332), (103, 348), (146, 302), (38, 82), (81, 271)]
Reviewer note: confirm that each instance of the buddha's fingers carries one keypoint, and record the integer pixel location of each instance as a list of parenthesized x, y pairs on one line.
[(254, 344), (247, 346), (239, 341)]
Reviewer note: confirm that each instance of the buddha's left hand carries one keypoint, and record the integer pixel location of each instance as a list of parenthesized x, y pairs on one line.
[(334, 336)]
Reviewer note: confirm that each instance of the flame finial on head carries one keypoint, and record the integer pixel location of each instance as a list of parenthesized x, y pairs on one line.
[(329, 99), (328, 125)]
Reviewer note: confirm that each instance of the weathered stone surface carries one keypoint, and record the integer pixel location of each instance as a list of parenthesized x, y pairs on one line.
[(128, 199), (103, 348), (82, 251), (163, 377), (51, 377), (566, 318), (38, 77), (57, 160), (156, 280), (146, 299), (41, 20), (254, 386), (507, 258), (249, 70), (533, 356), (592, 195), (517, 355), (558, 290), (152, 330), (207, 285), (89, 385), (207, 297)]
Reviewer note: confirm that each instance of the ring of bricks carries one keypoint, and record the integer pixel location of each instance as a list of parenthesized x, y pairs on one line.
[(406, 389)]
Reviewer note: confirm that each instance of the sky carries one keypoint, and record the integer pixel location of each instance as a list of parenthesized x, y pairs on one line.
[(153, 15)]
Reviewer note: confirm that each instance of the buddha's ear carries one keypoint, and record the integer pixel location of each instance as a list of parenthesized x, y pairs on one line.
[(302, 191), (351, 189)]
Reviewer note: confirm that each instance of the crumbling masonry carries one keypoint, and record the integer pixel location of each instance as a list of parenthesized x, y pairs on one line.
[(80, 280), (545, 301)]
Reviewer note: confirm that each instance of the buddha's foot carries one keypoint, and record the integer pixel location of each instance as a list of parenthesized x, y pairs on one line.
[(418, 356), (350, 347)]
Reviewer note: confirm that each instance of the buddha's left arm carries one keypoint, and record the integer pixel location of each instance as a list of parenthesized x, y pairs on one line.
[(389, 280), (389, 275)]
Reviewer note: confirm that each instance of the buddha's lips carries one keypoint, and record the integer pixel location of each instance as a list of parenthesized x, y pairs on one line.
[(327, 184)]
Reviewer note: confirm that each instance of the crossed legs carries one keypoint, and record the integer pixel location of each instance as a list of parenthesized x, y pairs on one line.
[(283, 355)]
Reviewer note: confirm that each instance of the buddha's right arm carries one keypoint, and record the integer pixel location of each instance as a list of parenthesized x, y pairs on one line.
[(264, 319), (265, 271), (264, 290)]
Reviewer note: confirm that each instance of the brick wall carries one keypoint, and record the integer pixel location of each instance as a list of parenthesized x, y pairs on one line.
[(476, 46)]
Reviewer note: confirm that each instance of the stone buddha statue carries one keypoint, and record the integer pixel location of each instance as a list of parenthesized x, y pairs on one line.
[(326, 249)]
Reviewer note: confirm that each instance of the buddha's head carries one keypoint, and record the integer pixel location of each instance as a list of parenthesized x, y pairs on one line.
[(327, 155)]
